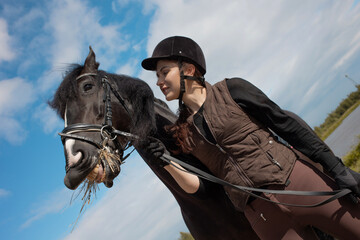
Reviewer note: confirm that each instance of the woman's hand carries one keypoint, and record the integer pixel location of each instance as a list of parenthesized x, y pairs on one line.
[(347, 178), (155, 149)]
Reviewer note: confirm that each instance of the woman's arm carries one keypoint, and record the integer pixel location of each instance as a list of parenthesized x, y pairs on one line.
[(188, 182), (257, 104), (154, 149)]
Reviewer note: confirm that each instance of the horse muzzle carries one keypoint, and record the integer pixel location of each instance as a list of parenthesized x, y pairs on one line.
[(102, 164), (95, 169)]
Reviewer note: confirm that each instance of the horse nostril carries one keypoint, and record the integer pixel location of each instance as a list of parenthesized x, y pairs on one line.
[(71, 158)]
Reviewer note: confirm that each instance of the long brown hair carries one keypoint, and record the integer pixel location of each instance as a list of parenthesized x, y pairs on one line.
[(180, 130)]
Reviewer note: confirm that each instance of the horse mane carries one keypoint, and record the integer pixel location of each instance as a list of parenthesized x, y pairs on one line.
[(66, 91), (135, 91), (141, 98)]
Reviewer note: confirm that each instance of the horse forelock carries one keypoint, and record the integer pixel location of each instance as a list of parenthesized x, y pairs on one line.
[(66, 91)]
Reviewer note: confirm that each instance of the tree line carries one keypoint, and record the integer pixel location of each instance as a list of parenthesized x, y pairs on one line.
[(334, 118)]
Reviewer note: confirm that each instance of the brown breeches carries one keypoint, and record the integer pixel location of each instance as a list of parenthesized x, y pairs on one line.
[(339, 218)]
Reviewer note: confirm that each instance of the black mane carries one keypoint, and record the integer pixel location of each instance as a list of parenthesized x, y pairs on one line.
[(135, 91), (66, 91)]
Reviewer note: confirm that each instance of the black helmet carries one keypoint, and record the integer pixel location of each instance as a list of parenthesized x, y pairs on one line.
[(177, 48)]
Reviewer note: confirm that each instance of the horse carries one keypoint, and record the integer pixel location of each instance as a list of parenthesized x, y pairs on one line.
[(99, 128), (104, 115)]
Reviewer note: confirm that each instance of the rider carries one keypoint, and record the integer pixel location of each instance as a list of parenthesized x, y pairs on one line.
[(227, 127)]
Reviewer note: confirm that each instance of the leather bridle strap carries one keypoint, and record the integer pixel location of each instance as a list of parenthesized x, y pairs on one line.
[(69, 132), (116, 94), (249, 190)]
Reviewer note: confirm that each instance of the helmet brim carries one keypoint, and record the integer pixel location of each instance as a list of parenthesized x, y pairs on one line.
[(150, 63)]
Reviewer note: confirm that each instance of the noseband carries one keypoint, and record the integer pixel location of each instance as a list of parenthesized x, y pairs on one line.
[(106, 130)]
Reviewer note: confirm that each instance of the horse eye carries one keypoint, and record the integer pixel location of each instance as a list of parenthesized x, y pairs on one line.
[(87, 87)]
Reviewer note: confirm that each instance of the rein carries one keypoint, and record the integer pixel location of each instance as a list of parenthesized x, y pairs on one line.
[(109, 133), (249, 190)]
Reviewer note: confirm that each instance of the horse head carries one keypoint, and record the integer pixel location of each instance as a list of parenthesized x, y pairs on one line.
[(98, 109)]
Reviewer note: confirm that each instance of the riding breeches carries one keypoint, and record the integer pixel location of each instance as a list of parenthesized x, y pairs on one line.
[(339, 218)]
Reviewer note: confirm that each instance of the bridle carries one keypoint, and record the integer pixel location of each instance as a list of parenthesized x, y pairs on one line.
[(107, 132)]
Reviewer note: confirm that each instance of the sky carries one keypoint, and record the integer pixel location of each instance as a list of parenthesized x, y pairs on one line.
[(298, 52)]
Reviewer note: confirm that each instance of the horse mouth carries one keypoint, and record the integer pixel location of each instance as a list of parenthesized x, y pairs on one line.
[(97, 174), (102, 168), (77, 173), (105, 172)]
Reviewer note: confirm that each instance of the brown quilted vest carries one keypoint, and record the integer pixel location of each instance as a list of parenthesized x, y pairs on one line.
[(246, 153)]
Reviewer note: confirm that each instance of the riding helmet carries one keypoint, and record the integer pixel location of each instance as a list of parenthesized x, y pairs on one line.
[(177, 48)]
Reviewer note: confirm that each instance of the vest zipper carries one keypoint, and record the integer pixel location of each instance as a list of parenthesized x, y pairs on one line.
[(239, 169), (240, 172), (274, 161), (267, 153)]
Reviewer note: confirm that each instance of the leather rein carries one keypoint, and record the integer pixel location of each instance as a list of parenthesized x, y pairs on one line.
[(249, 190), (109, 133)]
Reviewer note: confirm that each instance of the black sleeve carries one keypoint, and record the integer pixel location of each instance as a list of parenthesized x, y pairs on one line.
[(206, 187), (259, 106), (202, 190)]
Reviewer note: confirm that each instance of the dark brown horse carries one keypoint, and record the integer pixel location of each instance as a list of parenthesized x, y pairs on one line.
[(99, 110)]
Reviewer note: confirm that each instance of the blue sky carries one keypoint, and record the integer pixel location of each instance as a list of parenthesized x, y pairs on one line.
[(297, 52)]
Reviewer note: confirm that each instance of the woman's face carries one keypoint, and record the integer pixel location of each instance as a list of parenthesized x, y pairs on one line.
[(168, 75)]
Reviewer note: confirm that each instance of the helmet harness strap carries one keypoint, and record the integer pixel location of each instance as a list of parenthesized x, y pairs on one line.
[(201, 80), (182, 84)]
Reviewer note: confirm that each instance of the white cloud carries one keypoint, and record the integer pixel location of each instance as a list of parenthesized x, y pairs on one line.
[(4, 193), (74, 26), (138, 207), (12, 131), (355, 46), (15, 96), (48, 118), (129, 68), (6, 52), (53, 203), (26, 20), (283, 47)]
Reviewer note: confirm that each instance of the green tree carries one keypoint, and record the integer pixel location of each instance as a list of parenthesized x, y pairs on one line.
[(352, 159), (185, 236), (334, 118)]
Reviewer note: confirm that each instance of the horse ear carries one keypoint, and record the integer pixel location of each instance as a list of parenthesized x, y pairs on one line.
[(90, 65)]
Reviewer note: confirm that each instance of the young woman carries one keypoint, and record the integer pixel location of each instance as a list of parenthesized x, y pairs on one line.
[(228, 126)]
